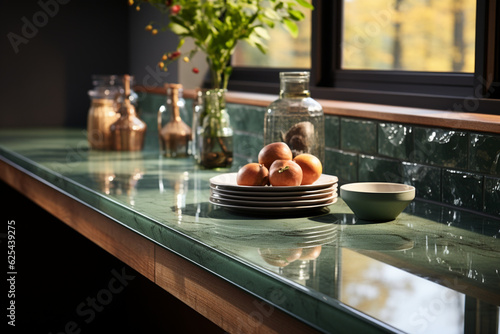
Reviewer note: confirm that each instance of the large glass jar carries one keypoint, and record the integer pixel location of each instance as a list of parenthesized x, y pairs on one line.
[(215, 135), (295, 118)]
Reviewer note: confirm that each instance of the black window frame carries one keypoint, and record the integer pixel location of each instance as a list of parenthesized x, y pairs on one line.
[(477, 92)]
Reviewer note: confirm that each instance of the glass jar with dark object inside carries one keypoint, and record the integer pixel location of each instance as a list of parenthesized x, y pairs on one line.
[(295, 118)]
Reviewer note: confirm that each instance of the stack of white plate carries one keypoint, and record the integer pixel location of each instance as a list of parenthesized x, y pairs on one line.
[(225, 192)]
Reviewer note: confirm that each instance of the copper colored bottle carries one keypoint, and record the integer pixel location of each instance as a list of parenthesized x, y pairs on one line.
[(175, 136), (102, 112), (127, 133)]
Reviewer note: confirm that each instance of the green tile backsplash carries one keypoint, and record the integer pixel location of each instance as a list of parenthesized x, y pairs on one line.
[(463, 189), (458, 168), (484, 153), (332, 131), (341, 163), (441, 147), (373, 168), (358, 135), (425, 179), (492, 196), (395, 140)]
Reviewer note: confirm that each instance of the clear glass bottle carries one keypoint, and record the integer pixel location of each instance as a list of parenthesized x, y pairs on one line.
[(295, 118), (215, 137), (175, 135), (198, 114)]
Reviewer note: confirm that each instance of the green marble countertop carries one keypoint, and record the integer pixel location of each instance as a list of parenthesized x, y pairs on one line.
[(432, 270)]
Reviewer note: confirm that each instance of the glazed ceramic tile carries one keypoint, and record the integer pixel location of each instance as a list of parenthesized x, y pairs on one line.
[(342, 164), (332, 131), (247, 145), (463, 189), (247, 118), (441, 147), (395, 140), (358, 135), (492, 196), (485, 154), (426, 180), (379, 169)]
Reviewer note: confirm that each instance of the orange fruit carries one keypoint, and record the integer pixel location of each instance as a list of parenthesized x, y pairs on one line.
[(274, 151), (252, 174), (310, 253), (280, 257), (311, 167), (285, 173)]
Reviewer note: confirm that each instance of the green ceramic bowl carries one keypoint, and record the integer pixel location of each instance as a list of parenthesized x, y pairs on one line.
[(377, 201)]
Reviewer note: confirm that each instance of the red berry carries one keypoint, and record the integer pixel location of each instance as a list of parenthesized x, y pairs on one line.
[(175, 9), (175, 54), (196, 70)]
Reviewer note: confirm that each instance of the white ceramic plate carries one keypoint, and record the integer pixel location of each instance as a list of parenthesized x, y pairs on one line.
[(316, 193), (227, 181), (272, 209), (221, 200), (247, 197)]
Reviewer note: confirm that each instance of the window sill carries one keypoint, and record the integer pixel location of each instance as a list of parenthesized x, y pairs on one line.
[(407, 115)]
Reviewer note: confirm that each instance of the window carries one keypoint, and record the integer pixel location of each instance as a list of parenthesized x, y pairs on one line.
[(449, 59), (409, 35)]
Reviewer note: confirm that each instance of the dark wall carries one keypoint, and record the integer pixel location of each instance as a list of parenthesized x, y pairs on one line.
[(54, 48), (146, 50)]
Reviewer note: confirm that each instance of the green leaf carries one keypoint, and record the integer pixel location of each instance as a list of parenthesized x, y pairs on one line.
[(305, 4), (249, 8), (192, 53), (261, 47), (296, 15), (178, 29), (266, 21), (229, 44), (291, 27), (261, 32), (271, 14), (181, 43), (254, 39)]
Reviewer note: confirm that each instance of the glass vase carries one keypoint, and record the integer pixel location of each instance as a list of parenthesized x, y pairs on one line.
[(214, 132), (198, 113), (295, 118)]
